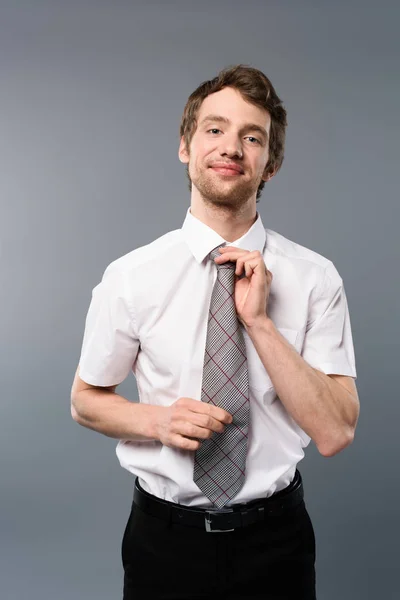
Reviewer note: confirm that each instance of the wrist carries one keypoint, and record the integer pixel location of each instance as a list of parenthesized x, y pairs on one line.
[(153, 421), (263, 322)]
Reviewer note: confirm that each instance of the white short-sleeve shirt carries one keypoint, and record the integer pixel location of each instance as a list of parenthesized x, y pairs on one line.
[(149, 314)]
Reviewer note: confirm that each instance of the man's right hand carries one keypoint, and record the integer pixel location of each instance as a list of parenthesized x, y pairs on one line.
[(187, 421)]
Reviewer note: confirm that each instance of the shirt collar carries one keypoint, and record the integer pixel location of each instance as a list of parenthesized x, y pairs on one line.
[(201, 239)]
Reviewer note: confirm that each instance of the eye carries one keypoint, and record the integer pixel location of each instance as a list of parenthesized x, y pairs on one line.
[(253, 138), (213, 129)]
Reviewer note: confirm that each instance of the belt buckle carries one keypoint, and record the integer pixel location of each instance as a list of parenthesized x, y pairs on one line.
[(208, 519)]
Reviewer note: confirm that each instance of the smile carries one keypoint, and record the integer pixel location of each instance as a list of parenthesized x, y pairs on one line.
[(225, 171)]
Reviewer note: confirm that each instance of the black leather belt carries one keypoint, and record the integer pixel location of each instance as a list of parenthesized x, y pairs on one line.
[(222, 519)]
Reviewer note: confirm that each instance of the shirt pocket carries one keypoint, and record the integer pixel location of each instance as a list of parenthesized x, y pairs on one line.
[(259, 379)]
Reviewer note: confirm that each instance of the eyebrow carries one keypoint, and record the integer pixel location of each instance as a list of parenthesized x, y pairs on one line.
[(246, 127)]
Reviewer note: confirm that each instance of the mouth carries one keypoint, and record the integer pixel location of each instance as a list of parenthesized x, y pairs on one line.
[(226, 170)]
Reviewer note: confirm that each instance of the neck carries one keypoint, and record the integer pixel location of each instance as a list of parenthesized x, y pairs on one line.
[(230, 226)]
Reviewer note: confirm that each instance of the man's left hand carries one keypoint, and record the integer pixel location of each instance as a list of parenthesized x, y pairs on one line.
[(251, 291)]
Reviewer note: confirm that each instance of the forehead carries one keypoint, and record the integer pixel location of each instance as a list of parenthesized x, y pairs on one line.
[(231, 104)]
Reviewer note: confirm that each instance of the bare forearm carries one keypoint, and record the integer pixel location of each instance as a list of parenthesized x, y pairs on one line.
[(114, 416), (319, 405)]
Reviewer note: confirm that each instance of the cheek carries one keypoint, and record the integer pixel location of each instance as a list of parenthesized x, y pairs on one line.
[(264, 161), (259, 168), (201, 158), (202, 149)]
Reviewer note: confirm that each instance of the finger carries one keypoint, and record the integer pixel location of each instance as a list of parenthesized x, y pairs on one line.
[(248, 270), (240, 264), (215, 411), (250, 267), (237, 255), (190, 430), (180, 441), (249, 264), (207, 422), (232, 249)]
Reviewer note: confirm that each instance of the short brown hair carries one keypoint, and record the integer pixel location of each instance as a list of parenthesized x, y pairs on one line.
[(255, 87)]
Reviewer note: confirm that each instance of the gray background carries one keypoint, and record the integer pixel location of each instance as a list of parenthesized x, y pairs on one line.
[(91, 97)]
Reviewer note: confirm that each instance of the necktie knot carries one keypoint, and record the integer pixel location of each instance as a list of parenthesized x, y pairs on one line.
[(214, 253)]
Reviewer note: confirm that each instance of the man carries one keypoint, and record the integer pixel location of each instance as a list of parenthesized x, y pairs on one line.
[(241, 345)]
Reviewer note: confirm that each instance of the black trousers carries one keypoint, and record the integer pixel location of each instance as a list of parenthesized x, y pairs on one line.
[(273, 559)]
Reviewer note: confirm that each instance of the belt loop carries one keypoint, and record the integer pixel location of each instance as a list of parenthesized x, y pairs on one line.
[(244, 515)]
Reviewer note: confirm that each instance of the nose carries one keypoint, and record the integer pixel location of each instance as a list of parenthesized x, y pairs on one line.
[(231, 146)]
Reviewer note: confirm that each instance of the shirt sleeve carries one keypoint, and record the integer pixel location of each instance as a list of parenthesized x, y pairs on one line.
[(110, 343), (328, 344)]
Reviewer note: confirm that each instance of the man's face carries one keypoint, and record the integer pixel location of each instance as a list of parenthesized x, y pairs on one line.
[(230, 132)]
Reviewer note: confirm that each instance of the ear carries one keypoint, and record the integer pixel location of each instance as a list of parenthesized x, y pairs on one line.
[(268, 174), (183, 153)]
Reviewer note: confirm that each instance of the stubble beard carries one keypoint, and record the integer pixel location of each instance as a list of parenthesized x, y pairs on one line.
[(233, 197)]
